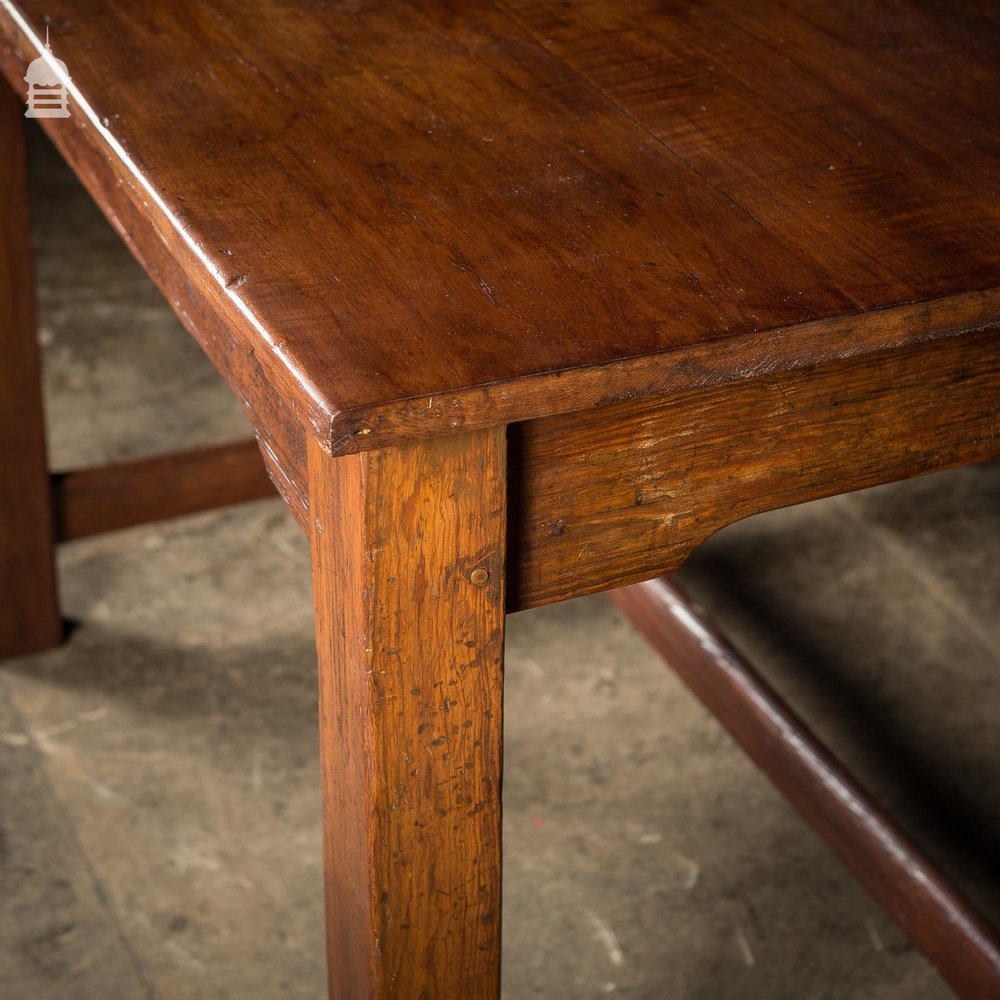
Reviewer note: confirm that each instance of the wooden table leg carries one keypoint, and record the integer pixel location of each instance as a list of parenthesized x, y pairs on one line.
[(29, 612), (408, 567)]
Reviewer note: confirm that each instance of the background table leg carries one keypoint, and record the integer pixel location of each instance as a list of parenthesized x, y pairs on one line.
[(29, 612), (408, 567)]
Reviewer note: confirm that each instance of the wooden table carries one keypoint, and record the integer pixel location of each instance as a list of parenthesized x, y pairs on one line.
[(524, 301)]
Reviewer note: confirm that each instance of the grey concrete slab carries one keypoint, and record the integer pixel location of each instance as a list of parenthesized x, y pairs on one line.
[(59, 938), (193, 783)]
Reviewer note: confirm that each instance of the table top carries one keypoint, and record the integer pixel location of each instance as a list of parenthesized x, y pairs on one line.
[(434, 215)]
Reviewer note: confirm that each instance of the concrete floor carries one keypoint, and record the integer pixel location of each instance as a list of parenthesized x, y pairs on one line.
[(159, 810)]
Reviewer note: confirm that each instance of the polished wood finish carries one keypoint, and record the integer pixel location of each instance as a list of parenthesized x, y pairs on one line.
[(108, 498), (279, 433), (618, 494), (932, 913), (703, 259), (865, 137), (408, 566), (29, 620), (488, 213)]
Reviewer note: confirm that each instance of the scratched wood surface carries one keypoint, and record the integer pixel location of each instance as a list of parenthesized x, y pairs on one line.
[(622, 493), (408, 571), (415, 218)]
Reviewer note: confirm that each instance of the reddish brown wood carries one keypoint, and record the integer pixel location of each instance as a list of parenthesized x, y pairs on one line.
[(96, 500), (279, 433), (754, 239), (668, 188), (936, 917), (29, 619), (860, 136), (622, 493), (408, 564)]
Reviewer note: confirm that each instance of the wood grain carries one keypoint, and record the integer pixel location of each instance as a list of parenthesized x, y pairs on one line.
[(29, 611), (108, 498), (393, 256), (622, 493), (280, 433), (706, 259), (929, 909), (408, 566), (864, 137)]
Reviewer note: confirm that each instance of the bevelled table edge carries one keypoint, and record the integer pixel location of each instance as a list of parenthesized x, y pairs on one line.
[(341, 429), (730, 359)]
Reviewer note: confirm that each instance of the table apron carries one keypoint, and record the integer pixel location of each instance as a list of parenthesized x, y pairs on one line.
[(625, 492)]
